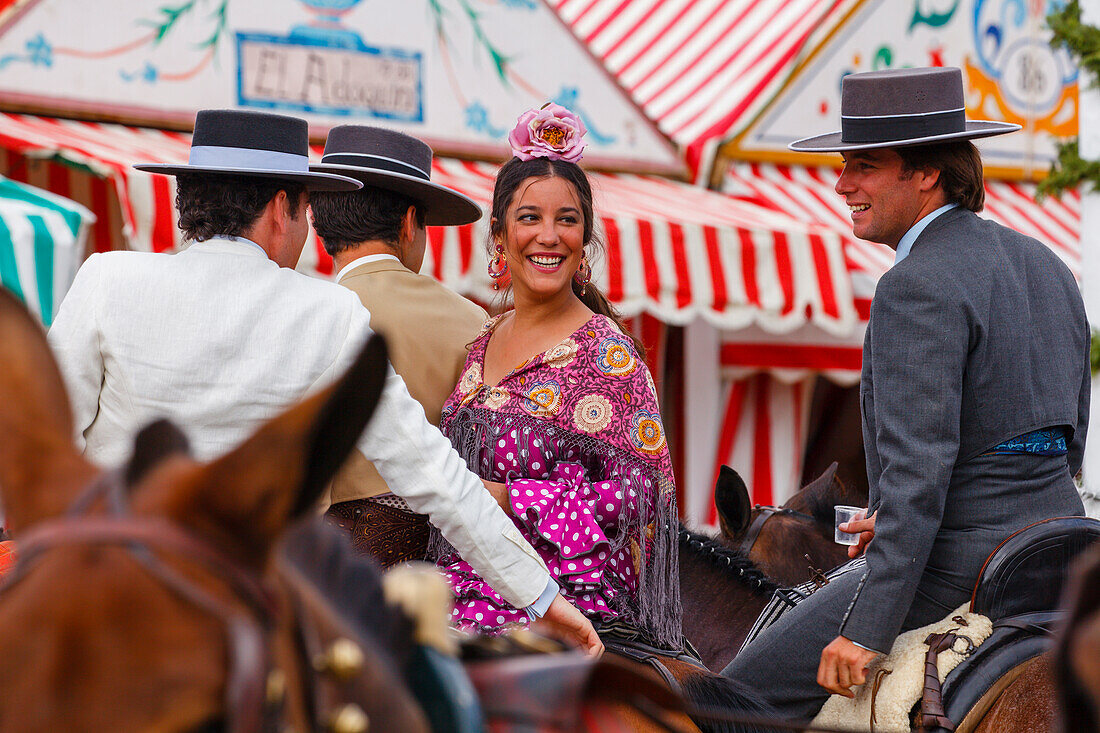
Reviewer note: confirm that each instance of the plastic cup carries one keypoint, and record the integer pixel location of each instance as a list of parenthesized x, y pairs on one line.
[(846, 514)]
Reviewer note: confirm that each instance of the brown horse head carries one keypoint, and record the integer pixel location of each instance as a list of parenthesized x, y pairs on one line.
[(1078, 652), (135, 634), (784, 538)]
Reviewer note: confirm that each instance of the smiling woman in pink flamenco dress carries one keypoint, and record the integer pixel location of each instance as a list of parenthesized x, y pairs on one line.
[(557, 412)]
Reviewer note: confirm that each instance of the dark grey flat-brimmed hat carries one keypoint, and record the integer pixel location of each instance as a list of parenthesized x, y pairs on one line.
[(901, 107), (242, 143), (395, 162)]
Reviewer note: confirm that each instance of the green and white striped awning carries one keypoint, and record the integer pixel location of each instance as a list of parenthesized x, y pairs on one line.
[(42, 239)]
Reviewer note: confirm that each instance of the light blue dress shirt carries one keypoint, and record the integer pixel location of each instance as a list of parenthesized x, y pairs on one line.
[(541, 605), (245, 240), (907, 239)]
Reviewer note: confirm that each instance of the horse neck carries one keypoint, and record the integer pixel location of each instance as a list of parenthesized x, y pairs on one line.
[(720, 607)]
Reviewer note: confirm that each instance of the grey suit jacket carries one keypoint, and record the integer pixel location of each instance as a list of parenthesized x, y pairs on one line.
[(978, 336)]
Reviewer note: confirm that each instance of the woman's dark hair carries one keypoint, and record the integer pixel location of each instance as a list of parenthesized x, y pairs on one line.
[(227, 205), (960, 167), (515, 172), (343, 220)]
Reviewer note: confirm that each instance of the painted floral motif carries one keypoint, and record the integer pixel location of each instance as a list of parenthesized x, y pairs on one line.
[(471, 379), (562, 354), (646, 432), (543, 399), (496, 398), (616, 357), (592, 414)]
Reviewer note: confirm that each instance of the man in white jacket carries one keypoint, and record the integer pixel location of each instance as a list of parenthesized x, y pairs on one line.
[(225, 335)]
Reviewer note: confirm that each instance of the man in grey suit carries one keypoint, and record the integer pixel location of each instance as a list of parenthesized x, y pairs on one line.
[(975, 387)]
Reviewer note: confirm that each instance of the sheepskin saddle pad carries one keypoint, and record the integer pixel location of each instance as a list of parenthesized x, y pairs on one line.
[(895, 682)]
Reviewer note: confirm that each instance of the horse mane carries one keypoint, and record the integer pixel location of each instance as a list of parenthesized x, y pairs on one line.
[(715, 693), (351, 583), (740, 566)]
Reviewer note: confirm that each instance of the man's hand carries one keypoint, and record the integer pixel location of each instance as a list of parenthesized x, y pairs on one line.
[(843, 664), (866, 529), (564, 621), (500, 493)]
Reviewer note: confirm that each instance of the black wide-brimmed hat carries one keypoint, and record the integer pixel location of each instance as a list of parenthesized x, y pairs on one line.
[(395, 162), (901, 107), (243, 143)]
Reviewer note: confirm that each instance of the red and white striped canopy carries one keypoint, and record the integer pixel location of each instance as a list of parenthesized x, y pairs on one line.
[(672, 250), (700, 69)]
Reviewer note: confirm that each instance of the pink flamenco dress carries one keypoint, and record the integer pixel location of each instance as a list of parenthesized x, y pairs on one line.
[(576, 435)]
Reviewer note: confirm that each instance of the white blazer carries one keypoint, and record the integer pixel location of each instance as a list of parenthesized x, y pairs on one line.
[(219, 338)]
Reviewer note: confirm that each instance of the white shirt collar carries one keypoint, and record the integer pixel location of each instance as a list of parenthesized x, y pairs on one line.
[(362, 261), (237, 245), (907, 239)]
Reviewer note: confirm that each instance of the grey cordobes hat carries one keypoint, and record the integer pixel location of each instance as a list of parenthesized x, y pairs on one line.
[(395, 162), (244, 143), (901, 107)]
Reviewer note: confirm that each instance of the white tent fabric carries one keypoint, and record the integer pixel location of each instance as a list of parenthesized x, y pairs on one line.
[(42, 238)]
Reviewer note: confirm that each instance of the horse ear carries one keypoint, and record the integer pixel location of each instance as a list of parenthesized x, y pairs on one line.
[(250, 495), (731, 496), (41, 472), (155, 442), (827, 490), (825, 484)]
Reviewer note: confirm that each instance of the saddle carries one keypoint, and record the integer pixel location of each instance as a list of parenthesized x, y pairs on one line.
[(546, 691), (1019, 589)]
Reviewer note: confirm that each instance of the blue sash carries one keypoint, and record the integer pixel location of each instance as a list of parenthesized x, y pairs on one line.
[(1045, 442)]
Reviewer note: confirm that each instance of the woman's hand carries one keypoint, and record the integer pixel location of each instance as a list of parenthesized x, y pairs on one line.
[(500, 493), (866, 529), (563, 621)]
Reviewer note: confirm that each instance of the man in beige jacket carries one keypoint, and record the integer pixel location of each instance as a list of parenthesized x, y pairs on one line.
[(376, 237)]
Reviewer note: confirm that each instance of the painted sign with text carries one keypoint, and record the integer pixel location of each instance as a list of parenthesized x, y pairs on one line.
[(456, 73), (1010, 73)]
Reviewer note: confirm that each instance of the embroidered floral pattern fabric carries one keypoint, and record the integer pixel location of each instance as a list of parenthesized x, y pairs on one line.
[(575, 433)]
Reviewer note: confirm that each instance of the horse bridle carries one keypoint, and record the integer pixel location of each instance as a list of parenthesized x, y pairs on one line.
[(247, 708), (766, 513)]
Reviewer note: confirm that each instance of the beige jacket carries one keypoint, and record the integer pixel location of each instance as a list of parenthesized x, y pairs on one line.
[(427, 328)]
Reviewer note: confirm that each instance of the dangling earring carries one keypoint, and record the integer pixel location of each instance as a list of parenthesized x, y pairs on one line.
[(498, 265), (583, 275)]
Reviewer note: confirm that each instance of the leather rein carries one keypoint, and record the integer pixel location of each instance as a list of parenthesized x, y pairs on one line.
[(758, 522), (246, 707)]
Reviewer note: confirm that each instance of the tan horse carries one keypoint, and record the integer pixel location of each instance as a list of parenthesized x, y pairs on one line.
[(158, 620)]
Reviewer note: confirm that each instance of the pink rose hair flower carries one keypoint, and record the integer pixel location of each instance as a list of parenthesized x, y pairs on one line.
[(550, 132)]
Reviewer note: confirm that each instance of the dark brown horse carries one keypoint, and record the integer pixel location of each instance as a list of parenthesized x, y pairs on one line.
[(725, 581), (724, 588)]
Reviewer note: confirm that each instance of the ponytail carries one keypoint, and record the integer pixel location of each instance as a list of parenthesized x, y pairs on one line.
[(597, 302)]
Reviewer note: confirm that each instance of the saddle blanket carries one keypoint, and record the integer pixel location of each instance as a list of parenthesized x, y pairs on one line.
[(895, 682), (785, 599)]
